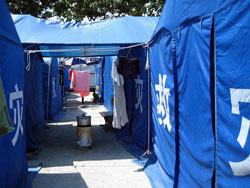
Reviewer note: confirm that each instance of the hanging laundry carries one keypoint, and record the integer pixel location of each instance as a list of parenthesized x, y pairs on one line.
[(129, 67), (6, 124), (82, 83), (72, 79), (120, 117)]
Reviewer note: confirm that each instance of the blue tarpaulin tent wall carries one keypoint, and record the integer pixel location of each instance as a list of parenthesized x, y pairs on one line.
[(232, 40), (201, 123), (51, 91), (55, 92), (45, 84), (12, 146), (34, 109), (136, 93), (66, 78), (108, 82), (162, 79)]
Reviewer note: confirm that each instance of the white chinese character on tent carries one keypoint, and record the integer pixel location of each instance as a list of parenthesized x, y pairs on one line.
[(18, 112), (163, 105), (139, 90), (238, 96)]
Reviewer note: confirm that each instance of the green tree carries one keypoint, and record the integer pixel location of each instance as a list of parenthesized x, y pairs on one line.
[(77, 10)]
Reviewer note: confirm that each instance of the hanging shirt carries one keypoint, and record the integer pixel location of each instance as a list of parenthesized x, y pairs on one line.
[(72, 78), (120, 117), (6, 125), (82, 83)]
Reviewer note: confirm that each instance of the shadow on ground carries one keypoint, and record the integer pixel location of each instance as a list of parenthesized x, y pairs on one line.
[(62, 180), (66, 166)]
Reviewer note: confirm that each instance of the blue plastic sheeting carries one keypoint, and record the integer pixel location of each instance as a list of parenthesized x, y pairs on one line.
[(34, 109), (12, 146), (51, 91), (125, 30), (108, 82), (232, 96), (66, 78)]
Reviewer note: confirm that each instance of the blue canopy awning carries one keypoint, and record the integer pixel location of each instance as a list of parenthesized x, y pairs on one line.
[(68, 39)]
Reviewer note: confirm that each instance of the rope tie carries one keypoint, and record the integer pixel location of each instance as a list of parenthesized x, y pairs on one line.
[(29, 60), (147, 66)]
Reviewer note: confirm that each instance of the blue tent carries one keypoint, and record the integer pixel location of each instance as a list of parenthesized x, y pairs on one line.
[(102, 38), (84, 39), (34, 109), (52, 97), (199, 55), (136, 92), (108, 82), (13, 163)]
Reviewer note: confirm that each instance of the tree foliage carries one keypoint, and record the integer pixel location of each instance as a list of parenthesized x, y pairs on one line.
[(77, 10)]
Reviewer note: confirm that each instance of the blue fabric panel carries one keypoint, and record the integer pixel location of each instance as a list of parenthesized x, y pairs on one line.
[(232, 34), (108, 82), (155, 173), (140, 101), (66, 78), (195, 116), (45, 76), (180, 13), (34, 109), (162, 88), (13, 165), (136, 93), (55, 93)]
